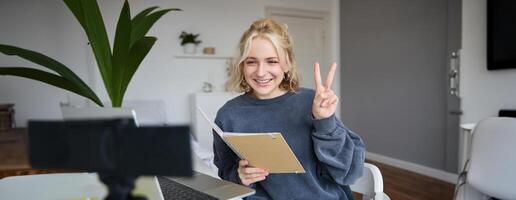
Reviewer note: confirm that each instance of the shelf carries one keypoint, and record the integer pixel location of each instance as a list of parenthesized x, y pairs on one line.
[(203, 56)]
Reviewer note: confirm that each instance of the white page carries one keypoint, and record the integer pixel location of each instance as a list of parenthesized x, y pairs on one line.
[(212, 124), (222, 133), (249, 134), (219, 131)]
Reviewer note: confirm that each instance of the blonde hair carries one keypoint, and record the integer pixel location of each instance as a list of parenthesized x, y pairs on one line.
[(277, 34)]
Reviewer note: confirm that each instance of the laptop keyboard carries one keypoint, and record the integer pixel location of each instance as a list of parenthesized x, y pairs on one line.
[(173, 190)]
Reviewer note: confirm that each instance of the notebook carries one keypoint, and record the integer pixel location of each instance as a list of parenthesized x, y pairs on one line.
[(268, 151)]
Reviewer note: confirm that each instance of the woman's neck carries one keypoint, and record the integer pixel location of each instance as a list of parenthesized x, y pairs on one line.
[(275, 94)]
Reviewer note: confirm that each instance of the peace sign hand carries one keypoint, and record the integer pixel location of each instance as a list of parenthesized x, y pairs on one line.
[(325, 101)]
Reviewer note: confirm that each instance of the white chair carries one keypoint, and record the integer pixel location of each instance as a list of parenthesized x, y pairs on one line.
[(370, 185), (149, 112), (491, 170)]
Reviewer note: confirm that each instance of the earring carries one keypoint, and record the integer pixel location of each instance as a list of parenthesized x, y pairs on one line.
[(286, 78)]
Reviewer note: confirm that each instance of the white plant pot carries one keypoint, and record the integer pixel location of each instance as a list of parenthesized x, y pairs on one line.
[(190, 48)]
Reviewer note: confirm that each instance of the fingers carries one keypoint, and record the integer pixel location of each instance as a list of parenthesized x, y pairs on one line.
[(331, 73), (243, 163), (330, 101), (317, 77), (253, 176), (252, 170), (318, 100), (334, 100), (249, 175), (329, 79), (248, 182), (243, 167), (324, 104), (324, 98)]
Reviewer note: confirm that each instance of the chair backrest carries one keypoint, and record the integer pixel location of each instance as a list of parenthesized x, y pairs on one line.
[(149, 112), (370, 185), (76, 113), (492, 168)]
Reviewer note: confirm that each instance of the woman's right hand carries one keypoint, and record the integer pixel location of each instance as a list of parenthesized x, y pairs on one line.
[(249, 175)]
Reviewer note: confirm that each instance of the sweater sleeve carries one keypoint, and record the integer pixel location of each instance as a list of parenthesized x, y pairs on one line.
[(341, 152), (224, 158)]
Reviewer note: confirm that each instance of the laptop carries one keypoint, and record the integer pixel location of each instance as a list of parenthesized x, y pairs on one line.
[(204, 184), (212, 187)]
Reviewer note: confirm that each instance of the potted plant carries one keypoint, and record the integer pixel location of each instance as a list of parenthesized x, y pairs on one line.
[(117, 66), (189, 42)]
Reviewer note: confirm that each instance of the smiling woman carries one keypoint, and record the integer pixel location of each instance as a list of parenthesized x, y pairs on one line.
[(331, 154), (271, 42), (263, 70)]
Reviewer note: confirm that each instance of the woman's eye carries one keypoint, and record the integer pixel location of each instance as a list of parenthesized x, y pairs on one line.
[(250, 62), (273, 61)]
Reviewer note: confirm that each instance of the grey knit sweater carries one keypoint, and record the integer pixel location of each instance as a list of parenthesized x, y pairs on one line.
[(331, 154)]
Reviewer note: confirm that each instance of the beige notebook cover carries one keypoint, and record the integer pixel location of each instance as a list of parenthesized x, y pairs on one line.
[(268, 151)]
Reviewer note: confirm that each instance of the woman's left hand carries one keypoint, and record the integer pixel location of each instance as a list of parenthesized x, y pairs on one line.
[(325, 100)]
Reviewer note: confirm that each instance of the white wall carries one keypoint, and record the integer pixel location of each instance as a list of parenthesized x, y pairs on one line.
[(50, 28), (483, 92), (39, 26)]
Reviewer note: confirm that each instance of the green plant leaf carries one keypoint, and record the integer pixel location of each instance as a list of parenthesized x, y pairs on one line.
[(138, 52), (88, 14), (139, 29), (76, 8), (50, 79), (140, 16), (187, 38), (117, 68), (120, 54), (49, 63)]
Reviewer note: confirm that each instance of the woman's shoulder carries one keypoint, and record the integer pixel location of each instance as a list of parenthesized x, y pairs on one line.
[(231, 104), (305, 93), (306, 90)]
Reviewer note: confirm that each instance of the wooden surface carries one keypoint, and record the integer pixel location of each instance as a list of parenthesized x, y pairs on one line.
[(400, 184), (13, 152), (13, 155)]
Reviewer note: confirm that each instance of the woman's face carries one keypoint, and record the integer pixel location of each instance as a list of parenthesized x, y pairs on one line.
[(263, 70)]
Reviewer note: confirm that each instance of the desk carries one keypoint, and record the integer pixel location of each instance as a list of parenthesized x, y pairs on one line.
[(52, 186), (465, 138)]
